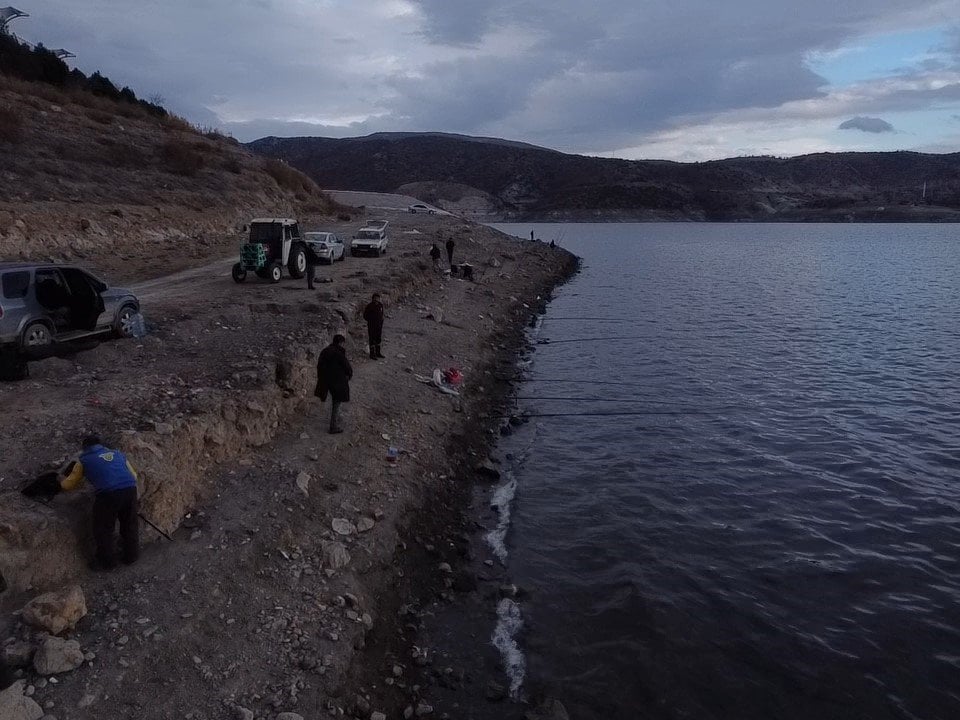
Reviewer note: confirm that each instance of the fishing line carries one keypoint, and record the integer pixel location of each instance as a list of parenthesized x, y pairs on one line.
[(619, 400), (592, 339), (608, 413)]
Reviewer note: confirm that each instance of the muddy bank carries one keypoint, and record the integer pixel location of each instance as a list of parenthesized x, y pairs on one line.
[(260, 602)]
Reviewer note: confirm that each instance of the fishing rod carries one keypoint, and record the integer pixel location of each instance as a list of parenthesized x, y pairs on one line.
[(592, 339), (617, 400), (605, 413)]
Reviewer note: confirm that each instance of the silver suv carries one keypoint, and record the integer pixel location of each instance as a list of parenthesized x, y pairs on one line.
[(43, 303)]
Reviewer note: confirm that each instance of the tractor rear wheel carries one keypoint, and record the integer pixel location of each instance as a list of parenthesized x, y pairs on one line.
[(297, 264)]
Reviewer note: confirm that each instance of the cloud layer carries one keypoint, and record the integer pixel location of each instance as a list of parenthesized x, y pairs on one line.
[(621, 77), (867, 124)]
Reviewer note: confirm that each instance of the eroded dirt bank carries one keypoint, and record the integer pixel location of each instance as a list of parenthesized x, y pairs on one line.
[(258, 603)]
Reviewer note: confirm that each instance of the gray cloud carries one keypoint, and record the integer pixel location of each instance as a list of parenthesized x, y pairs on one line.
[(578, 76), (867, 124)]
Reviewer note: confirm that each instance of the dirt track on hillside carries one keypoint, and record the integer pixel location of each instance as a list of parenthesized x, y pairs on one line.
[(245, 608)]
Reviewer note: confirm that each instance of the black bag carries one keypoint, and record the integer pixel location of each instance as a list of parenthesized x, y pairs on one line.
[(45, 487)]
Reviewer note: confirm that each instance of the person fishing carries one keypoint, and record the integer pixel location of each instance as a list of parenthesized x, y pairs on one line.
[(436, 255), (373, 314), (114, 482), (333, 377), (312, 261)]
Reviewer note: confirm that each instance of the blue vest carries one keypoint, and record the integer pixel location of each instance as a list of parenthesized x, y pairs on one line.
[(106, 469)]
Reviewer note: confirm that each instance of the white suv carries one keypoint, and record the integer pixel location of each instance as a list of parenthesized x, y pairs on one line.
[(371, 239)]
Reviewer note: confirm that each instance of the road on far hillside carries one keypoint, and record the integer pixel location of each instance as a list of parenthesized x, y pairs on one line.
[(379, 201)]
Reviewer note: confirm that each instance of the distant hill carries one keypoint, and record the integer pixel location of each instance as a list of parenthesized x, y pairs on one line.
[(505, 179)]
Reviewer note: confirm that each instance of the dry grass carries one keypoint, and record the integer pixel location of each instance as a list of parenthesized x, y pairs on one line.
[(181, 157), (11, 125), (289, 178), (99, 116)]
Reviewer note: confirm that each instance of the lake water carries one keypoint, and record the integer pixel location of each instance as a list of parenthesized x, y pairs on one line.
[(762, 519)]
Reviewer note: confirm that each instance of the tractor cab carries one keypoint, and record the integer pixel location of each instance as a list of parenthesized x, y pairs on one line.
[(272, 244)]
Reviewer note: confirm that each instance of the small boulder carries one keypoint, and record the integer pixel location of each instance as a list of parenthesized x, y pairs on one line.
[(56, 611), (488, 469), (342, 526), (335, 555), (303, 482), (289, 716), (365, 524), (242, 713), (549, 709), (14, 705), (57, 655)]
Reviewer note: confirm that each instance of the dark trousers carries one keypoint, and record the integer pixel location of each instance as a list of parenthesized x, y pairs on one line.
[(109, 508), (450, 256), (311, 274), (375, 337), (335, 425)]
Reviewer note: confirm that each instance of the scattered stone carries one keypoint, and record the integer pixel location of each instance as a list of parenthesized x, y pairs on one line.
[(303, 482), (335, 555), (423, 708), (495, 691), (18, 654), (342, 526), (509, 591), (549, 709), (14, 705), (56, 655), (289, 716), (242, 713), (56, 611), (375, 715), (444, 567), (365, 524)]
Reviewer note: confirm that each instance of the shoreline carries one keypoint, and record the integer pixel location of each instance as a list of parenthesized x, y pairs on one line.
[(252, 595)]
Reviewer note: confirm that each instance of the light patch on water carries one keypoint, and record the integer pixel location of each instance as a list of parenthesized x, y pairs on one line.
[(509, 624), (503, 500)]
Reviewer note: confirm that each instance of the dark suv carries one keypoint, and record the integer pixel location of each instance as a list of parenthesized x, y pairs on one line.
[(44, 303)]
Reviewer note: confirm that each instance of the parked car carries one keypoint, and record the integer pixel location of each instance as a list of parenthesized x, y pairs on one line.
[(45, 304), (421, 208), (326, 245), (371, 239)]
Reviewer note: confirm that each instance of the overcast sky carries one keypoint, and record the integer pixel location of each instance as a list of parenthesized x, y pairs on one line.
[(676, 79)]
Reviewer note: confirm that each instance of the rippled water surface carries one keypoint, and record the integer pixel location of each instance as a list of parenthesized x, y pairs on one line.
[(781, 542)]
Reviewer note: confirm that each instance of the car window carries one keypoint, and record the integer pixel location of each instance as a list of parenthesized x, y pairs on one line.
[(15, 284)]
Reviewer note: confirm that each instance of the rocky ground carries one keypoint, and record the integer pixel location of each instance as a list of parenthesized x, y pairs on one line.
[(300, 562)]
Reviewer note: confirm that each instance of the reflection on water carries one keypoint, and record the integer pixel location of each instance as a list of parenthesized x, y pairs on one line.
[(784, 544)]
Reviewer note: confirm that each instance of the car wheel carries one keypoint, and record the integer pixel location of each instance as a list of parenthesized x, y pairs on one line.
[(123, 325), (36, 335), (239, 273), (297, 266), (276, 272)]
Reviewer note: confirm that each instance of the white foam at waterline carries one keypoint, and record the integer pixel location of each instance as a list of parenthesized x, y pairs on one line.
[(503, 500), (509, 624)]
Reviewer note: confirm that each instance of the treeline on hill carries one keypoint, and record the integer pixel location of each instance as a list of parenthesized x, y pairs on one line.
[(37, 64)]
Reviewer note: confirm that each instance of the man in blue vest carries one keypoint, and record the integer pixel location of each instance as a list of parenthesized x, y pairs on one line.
[(115, 483)]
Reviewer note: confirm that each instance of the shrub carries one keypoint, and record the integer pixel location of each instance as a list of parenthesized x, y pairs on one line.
[(98, 116), (11, 125), (124, 155), (181, 158), (288, 178), (233, 165)]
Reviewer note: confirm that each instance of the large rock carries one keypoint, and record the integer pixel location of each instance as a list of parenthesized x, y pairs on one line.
[(57, 655), (14, 705), (56, 611)]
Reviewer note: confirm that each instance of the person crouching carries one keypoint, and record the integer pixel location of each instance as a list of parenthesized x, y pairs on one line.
[(115, 483)]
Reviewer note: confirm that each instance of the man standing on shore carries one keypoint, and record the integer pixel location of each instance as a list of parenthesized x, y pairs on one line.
[(115, 482), (333, 376), (312, 261), (373, 314), (436, 255), (450, 246)]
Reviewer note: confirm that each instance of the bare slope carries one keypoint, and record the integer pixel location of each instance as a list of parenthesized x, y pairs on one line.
[(86, 177)]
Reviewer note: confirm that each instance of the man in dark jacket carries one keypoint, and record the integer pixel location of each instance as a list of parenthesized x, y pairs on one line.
[(312, 261), (115, 483), (436, 255), (333, 376), (450, 246), (373, 314)]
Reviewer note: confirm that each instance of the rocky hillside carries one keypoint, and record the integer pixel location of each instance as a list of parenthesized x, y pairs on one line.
[(84, 176), (525, 182)]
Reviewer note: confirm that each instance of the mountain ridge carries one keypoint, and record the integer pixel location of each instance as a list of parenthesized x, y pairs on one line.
[(522, 181)]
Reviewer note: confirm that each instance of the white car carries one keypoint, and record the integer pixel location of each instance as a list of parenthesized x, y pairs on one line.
[(371, 239), (326, 245), (421, 208)]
